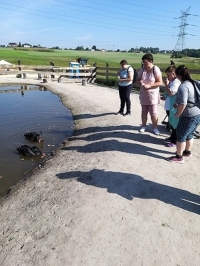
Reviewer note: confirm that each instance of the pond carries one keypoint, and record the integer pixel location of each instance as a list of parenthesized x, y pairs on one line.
[(29, 108)]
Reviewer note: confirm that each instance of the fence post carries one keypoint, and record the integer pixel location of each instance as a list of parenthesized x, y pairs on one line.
[(107, 72), (19, 65), (93, 74)]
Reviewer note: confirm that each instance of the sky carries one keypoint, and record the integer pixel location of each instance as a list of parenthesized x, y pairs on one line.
[(107, 24)]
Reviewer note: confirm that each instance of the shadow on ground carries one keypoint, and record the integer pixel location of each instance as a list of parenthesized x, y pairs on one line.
[(132, 186)]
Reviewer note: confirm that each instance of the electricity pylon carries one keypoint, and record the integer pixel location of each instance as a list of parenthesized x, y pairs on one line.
[(180, 45)]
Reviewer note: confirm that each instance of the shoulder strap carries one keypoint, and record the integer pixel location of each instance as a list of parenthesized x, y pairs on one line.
[(196, 86), (143, 71), (129, 67), (153, 69)]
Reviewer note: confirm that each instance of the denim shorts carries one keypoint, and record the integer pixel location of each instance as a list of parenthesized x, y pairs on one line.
[(186, 127)]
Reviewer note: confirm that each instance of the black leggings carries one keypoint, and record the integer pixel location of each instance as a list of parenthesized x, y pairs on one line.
[(124, 95)]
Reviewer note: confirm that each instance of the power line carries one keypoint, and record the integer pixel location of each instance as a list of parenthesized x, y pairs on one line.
[(99, 20), (114, 12), (105, 10), (85, 23)]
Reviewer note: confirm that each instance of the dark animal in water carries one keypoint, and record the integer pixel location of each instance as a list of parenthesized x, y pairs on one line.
[(30, 151), (33, 136)]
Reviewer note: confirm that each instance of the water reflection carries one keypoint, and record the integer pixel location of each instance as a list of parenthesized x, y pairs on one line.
[(29, 108)]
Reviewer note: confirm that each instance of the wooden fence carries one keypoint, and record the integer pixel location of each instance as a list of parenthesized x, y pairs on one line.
[(105, 73), (89, 74), (55, 73)]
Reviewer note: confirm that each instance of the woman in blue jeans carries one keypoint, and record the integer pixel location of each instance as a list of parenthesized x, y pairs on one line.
[(188, 114), (125, 76)]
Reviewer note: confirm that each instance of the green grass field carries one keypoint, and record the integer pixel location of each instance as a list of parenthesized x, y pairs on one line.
[(63, 57)]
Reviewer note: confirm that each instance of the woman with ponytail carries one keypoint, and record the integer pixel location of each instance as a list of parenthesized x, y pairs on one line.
[(188, 114)]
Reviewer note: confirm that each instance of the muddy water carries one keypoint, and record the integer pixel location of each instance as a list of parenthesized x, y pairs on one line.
[(28, 108)]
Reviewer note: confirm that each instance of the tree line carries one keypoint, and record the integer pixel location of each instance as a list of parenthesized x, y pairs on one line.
[(154, 50)]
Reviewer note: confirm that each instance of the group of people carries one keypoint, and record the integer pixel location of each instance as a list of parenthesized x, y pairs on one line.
[(182, 117)]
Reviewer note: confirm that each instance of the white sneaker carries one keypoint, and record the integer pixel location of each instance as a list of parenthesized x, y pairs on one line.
[(156, 131), (142, 129)]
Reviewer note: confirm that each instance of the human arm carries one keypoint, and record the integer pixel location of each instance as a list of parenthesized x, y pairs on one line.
[(157, 83), (172, 86), (180, 109), (167, 87), (181, 100), (139, 77)]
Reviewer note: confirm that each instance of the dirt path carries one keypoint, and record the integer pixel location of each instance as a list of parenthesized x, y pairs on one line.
[(108, 197)]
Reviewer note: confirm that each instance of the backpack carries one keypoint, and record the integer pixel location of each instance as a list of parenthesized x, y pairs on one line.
[(197, 92), (135, 75)]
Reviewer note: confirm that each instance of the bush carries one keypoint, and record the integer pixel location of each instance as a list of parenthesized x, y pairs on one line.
[(111, 82)]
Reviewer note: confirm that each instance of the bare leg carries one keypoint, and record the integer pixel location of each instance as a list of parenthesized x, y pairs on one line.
[(180, 147), (189, 144), (154, 120), (144, 120)]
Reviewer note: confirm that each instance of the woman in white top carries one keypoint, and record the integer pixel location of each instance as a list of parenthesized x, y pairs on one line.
[(171, 84), (125, 76)]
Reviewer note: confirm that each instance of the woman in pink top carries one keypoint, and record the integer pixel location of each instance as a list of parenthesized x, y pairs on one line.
[(149, 79)]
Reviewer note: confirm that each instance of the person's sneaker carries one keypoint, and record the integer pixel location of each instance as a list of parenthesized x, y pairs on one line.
[(170, 144), (187, 154), (127, 113), (175, 159), (142, 129), (156, 131), (167, 140), (120, 113)]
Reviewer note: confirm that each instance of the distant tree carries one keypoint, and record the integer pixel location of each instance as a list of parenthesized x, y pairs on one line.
[(153, 50), (94, 47), (118, 50), (132, 50), (80, 48), (56, 48), (87, 49), (20, 45)]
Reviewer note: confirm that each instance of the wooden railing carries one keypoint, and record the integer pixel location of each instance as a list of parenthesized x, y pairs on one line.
[(90, 74), (103, 74), (56, 73)]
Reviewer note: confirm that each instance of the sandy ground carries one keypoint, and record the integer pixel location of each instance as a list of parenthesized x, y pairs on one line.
[(108, 198)]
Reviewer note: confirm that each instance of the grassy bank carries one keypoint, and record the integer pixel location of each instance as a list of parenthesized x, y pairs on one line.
[(63, 57)]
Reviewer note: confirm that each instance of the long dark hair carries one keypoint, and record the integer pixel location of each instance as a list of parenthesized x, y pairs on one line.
[(184, 73)]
